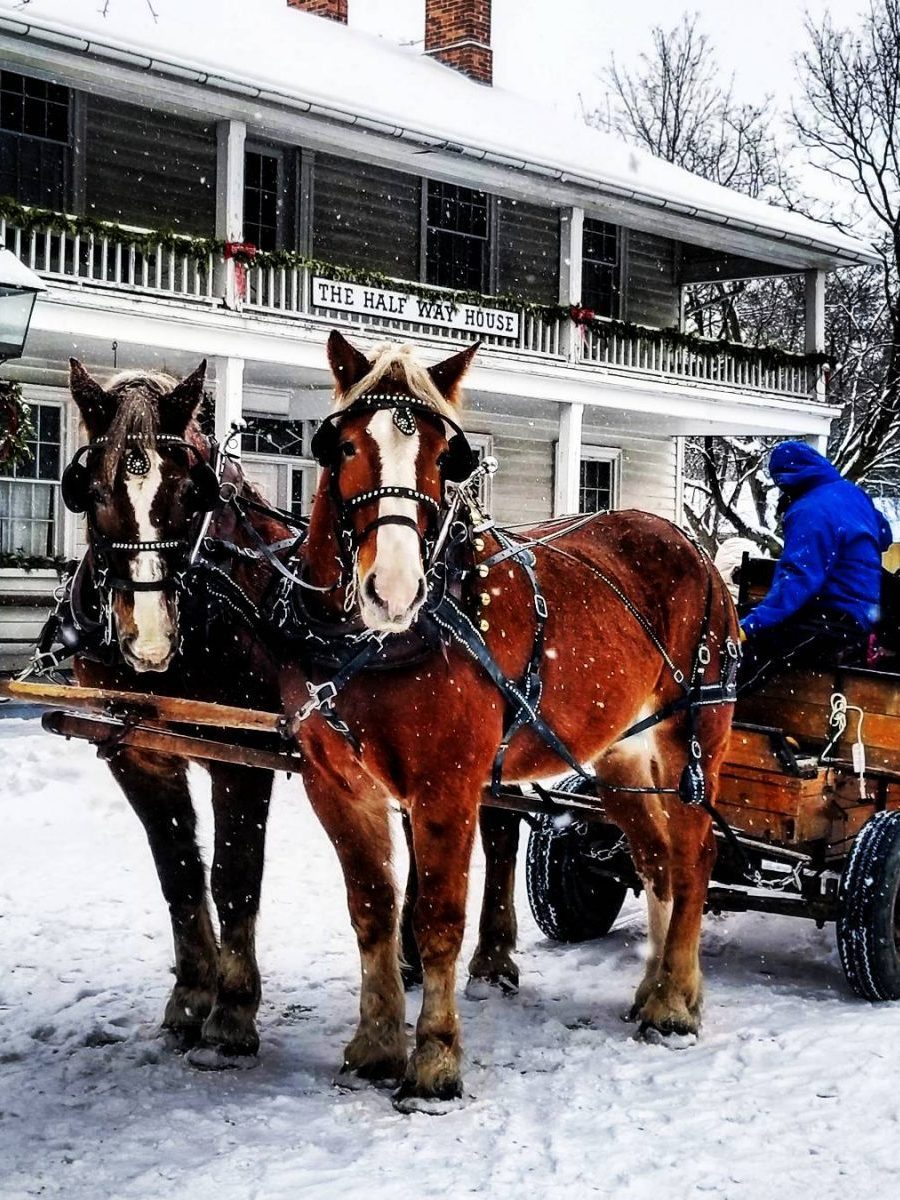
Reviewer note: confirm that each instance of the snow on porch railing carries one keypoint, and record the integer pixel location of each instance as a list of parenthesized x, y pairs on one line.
[(650, 352), (112, 260), (288, 290)]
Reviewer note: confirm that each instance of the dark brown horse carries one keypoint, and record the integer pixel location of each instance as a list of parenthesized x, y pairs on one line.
[(139, 488), (628, 600)]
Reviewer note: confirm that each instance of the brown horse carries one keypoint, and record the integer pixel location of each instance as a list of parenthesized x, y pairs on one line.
[(145, 487), (628, 600)]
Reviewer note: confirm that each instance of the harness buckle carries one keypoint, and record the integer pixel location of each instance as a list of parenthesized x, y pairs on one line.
[(540, 606), (703, 654), (320, 694)]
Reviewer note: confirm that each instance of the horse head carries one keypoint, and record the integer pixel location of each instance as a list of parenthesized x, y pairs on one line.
[(388, 447), (141, 481)]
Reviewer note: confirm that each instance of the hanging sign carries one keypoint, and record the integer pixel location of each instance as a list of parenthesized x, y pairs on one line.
[(418, 310)]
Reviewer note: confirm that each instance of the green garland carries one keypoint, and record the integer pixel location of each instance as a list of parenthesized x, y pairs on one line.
[(16, 428), (770, 357), (200, 249), (39, 220), (33, 562)]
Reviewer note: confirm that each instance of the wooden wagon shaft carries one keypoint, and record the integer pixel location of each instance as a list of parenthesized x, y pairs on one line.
[(151, 708), (104, 731)]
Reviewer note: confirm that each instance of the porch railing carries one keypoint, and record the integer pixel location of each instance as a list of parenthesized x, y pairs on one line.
[(650, 352), (113, 260), (131, 260)]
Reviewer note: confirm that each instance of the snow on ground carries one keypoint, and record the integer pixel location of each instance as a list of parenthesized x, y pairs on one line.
[(791, 1091)]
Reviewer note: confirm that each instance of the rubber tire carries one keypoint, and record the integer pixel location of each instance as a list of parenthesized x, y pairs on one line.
[(569, 901), (868, 924)]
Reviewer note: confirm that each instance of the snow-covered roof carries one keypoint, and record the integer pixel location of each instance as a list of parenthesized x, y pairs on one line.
[(271, 52)]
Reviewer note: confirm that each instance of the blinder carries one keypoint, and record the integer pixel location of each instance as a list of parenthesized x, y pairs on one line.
[(457, 462), (203, 495)]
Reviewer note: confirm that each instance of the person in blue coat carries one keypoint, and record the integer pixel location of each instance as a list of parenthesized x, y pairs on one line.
[(825, 596)]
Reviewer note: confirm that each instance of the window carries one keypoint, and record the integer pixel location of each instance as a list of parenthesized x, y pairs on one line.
[(600, 268), (262, 199), (278, 460), (598, 482), (29, 491), (457, 237), (34, 140)]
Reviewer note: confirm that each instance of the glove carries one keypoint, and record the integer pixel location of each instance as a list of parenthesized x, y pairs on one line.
[(743, 635)]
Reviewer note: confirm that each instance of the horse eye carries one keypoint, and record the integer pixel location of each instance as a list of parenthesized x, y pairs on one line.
[(99, 493), (348, 449)]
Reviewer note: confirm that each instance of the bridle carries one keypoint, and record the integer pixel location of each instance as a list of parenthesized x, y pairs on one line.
[(457, 465), (204, 498)]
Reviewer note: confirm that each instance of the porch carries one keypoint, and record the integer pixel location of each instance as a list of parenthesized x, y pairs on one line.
[(129, 263)]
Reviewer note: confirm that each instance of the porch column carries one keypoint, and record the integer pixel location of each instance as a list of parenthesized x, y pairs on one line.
[(571, 253), (229, 398), (815, 324), (567, 476), (230, 139)]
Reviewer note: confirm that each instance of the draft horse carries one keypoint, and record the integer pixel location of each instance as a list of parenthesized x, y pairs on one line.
[(146, 618), (602, 623)]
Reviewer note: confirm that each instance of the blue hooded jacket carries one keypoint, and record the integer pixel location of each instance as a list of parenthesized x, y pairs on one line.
[(833, 539)]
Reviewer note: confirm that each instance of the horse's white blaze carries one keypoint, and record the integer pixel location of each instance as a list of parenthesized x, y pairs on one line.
[(152, 643), (397, 568)]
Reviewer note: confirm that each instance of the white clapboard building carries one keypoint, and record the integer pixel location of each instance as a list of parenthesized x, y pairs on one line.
[(235, 188)]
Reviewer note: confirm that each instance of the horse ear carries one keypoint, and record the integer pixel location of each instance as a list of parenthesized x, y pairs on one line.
[(96, 406), (348, 365), (447, 375), (180, 405)]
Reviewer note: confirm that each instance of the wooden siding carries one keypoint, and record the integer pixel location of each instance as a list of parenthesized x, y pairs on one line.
[(366, 216), (528, 250), (651, 295), (522, 489), (149, 168), (25, 600)]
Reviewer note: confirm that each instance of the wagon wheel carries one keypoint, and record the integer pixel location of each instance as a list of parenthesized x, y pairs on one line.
[(868, 924), (570, 899)]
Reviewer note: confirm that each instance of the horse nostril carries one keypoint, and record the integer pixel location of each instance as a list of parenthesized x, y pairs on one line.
[(369, 590), (420, 592)]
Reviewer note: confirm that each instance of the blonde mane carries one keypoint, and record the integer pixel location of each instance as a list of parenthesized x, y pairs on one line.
[(398, 364)]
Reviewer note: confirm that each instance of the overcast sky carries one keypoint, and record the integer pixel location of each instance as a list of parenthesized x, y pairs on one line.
[(559, 47)]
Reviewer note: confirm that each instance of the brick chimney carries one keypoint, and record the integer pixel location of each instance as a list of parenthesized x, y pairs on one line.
[(336, 10), (458, 34)]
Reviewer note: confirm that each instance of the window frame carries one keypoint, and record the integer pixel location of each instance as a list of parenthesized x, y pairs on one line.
[(291, 463), (618, 292), (66, 146), (606, 454), (489, 241), (276, 152), (57, 520)]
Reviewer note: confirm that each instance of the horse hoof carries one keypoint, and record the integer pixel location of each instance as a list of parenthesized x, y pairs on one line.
[(350, 1079), (480, 987), (408, 1098), (181, 1038), (217, 1058), (674, 1035)]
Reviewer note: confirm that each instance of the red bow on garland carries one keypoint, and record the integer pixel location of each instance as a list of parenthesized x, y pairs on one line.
[(244, 252)]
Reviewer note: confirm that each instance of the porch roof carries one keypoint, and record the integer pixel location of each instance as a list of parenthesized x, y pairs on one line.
[(271, 54)]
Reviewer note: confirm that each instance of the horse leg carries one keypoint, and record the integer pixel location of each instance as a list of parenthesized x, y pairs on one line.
[(411, 962), (673, 850), (492, 963), (156, 788), (672, 1004), (442, 837), (357, 825), (240, 798)]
